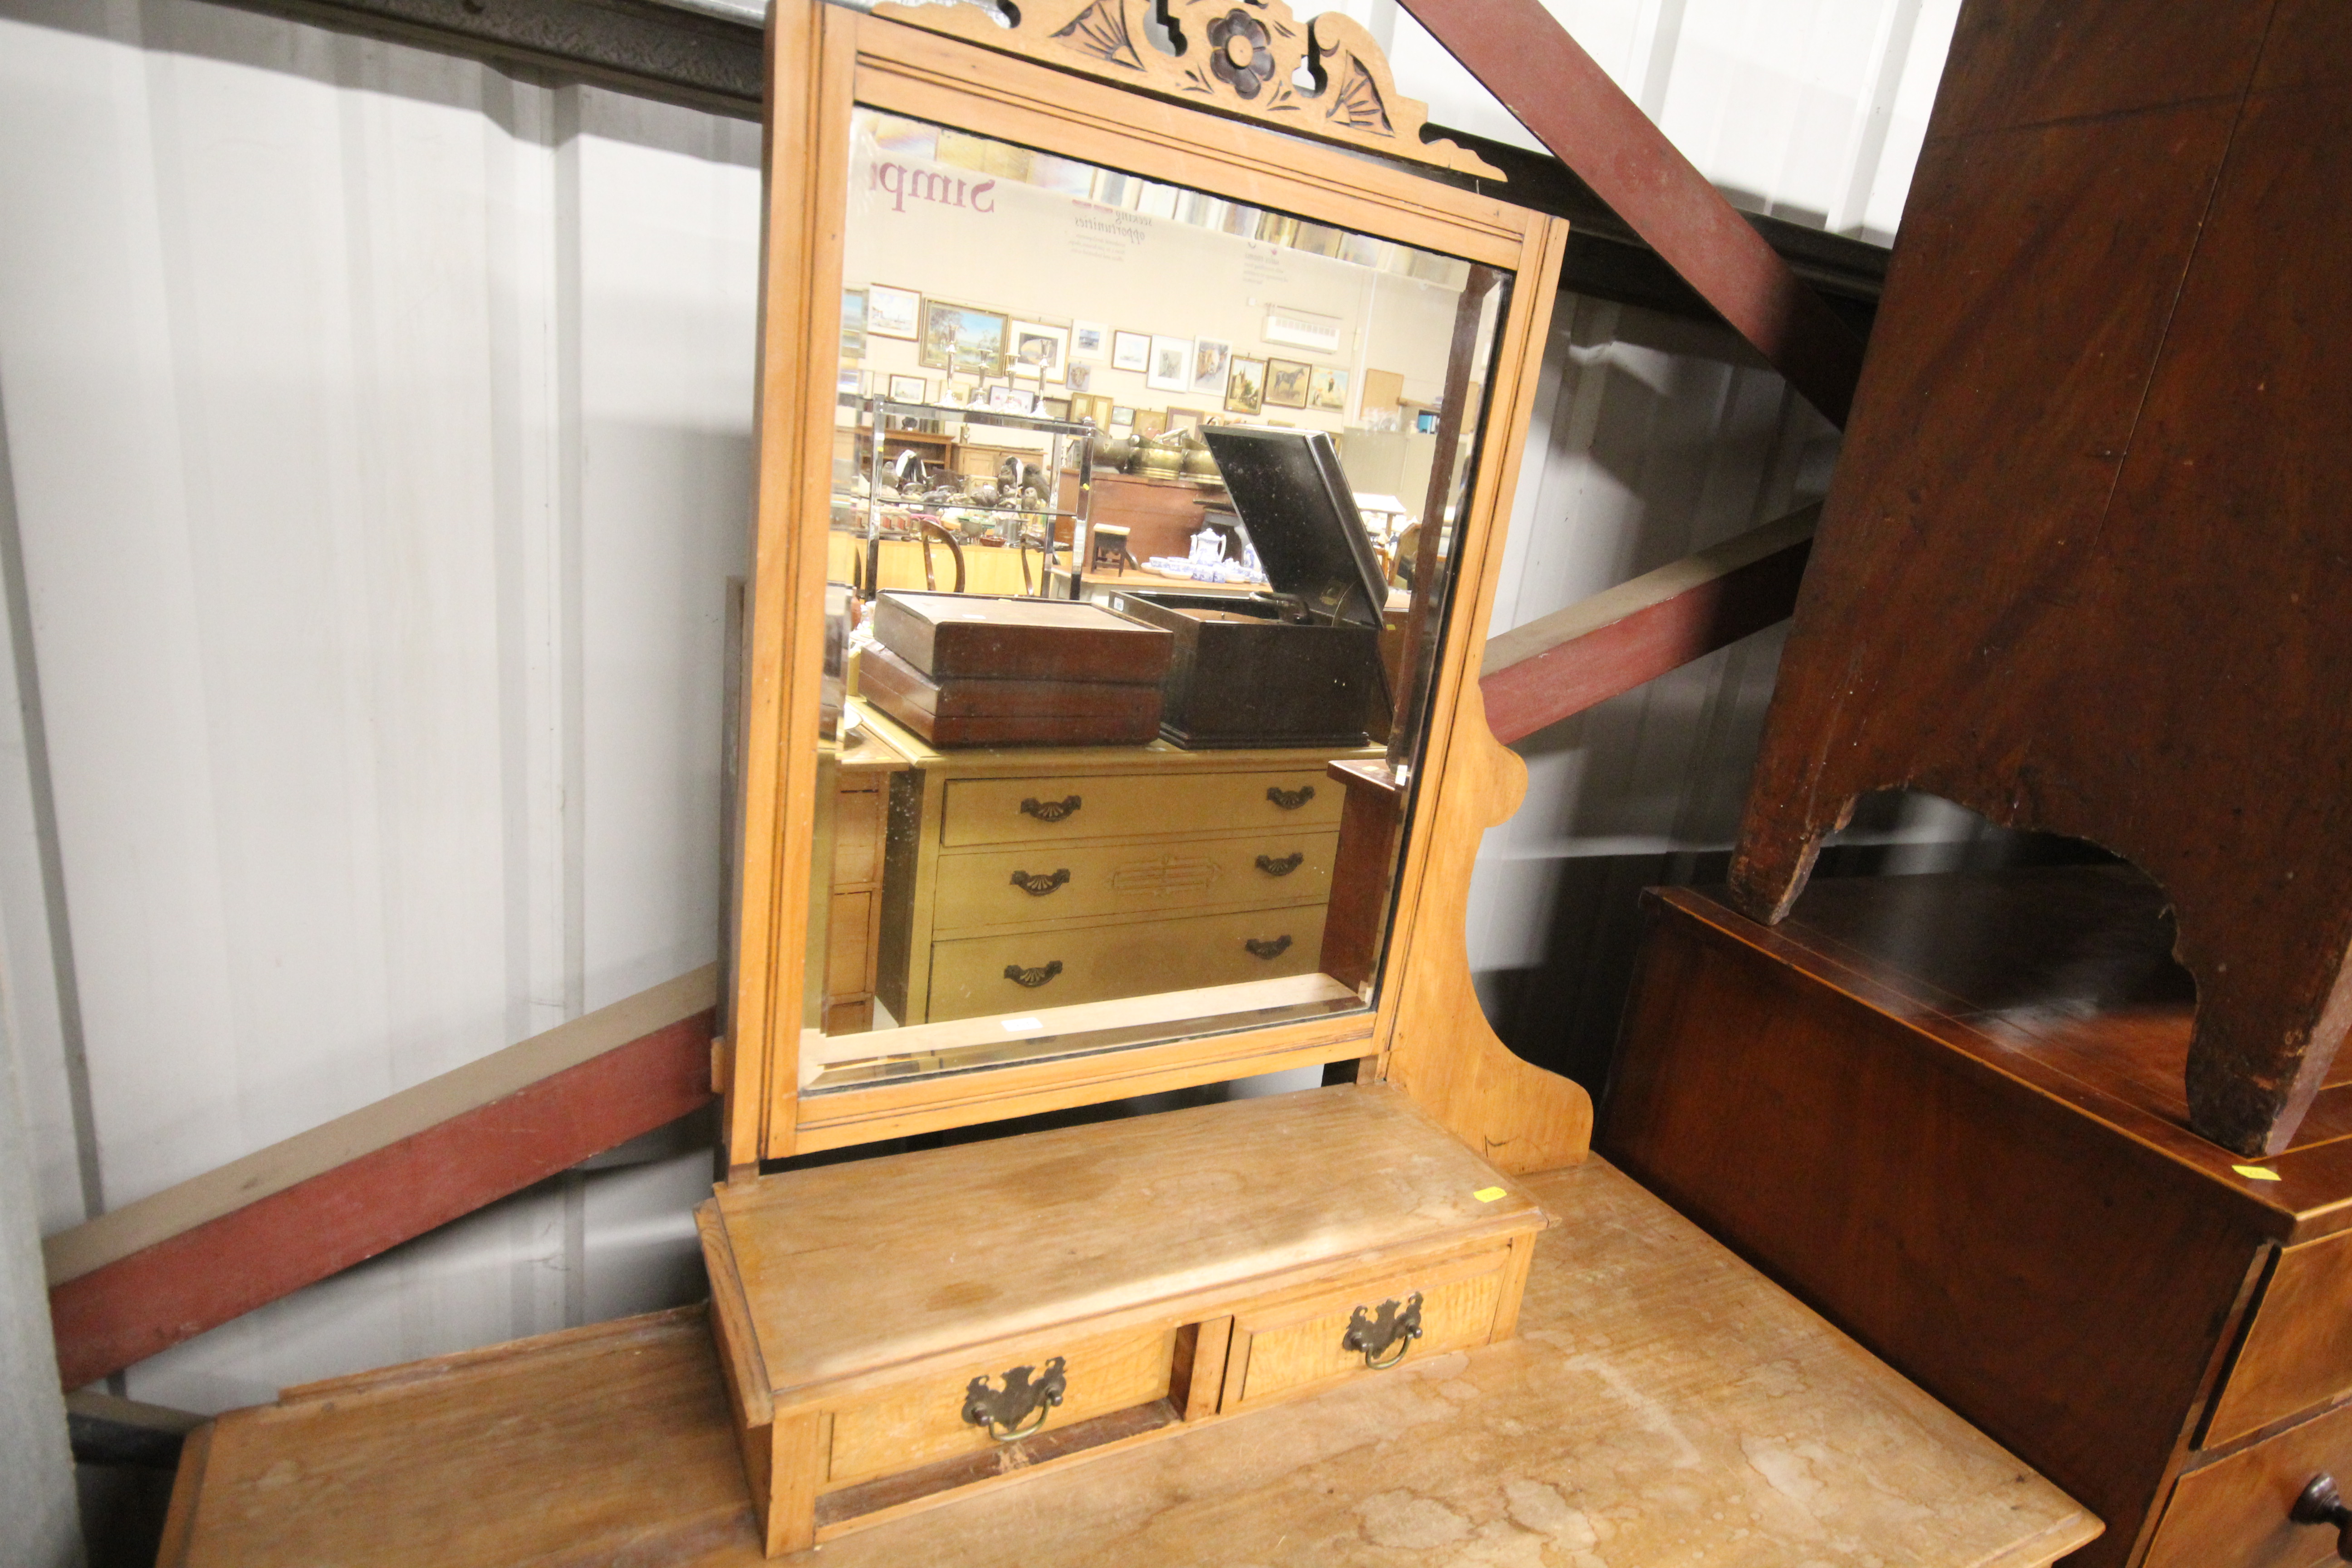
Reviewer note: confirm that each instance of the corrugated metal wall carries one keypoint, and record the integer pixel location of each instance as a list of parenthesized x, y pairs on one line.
[(374, 442)]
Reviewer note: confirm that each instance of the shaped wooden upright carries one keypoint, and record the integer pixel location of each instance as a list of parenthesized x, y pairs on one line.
[(2086, 565)]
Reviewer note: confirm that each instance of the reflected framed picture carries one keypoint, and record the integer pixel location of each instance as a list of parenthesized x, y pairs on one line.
[(960, 391), (1171, 365), (1121, 417), (957, 338), (1079, 376), (851, 383), (1285, 382), (1182, 419), (1245, 386), (1211, 356), (1089, 341), (1091, 407), (1150, 422), (1130, 350), (909, 389), (1012, 400), (1328, 389), (893, 313), (1054, 407), (853, 323), (1032, 347)]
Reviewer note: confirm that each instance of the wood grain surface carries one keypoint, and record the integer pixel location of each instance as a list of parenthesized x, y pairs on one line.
[(1662, 1405), (1948, 1112), (990, 1243), (2084, 563)]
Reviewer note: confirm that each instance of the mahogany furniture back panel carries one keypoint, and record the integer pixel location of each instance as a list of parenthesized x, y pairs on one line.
[(2083, 566)]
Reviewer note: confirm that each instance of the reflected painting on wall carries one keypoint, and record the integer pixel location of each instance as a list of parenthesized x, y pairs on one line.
[(1130, 350), (1171, 364), (1245, 387), (853, 323), (1286, 384), (1328, 389), (959, 338), (1038, 350), (1089, 341), (893, 313), (1210, 356)]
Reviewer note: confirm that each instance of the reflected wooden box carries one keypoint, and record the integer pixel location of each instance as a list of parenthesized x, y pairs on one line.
[(1148, 1275)]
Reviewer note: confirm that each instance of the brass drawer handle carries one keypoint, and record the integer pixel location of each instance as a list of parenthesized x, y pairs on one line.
[(1004, 1411), (1373, 1335), (1033, 978), (1290, 799), (2322, 1504), (1041, 884), (1284, 867), (1274, 949), (1050, 810)]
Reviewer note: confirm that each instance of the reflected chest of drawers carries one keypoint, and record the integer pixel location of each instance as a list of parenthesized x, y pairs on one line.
[(1017, 879)]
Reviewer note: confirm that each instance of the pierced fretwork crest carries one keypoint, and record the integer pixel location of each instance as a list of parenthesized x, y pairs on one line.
[(1325, 78)]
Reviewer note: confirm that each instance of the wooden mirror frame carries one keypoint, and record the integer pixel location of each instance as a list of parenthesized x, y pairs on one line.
[(1053, 85)]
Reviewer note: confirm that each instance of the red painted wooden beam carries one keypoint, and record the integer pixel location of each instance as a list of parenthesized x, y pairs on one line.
[(1572, 660), (129, 1309), (1527, 60)]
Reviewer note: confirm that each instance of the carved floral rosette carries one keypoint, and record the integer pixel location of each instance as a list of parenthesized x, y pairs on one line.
[(1251, 58)]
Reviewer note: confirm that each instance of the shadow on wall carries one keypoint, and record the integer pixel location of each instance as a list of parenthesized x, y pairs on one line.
[(1564, 1012)]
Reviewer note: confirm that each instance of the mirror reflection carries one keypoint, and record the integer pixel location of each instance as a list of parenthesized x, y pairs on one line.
[(1141, 510)]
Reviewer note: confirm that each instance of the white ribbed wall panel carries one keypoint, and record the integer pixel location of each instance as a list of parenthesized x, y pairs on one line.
[(374, 442)]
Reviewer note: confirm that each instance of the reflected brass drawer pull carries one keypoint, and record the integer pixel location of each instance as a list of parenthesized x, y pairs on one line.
[(1050, 810), (1288, 799), (1284, 867), (1041, 884), (1003, 1410), (1373, 1335), (1274, 949), (1032, 978)]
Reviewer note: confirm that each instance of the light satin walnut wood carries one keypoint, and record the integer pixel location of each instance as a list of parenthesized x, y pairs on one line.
[(1647, 1358), (1317, 1236)]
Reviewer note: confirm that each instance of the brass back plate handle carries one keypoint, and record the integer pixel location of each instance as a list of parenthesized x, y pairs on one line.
[(1019, 1407), (1268, 950), (1041, 883), (1033, 978), (1386, 1333), (1050, 810), (1285, 865), (1290, 799)]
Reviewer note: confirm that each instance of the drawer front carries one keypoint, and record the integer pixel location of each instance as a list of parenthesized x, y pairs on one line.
[(2232, 1513), (2298, 1351), (858, 834), (921, 1421), (1136, 805), (969, 976), (849, 945), (1005, 887), (1306, 1345)]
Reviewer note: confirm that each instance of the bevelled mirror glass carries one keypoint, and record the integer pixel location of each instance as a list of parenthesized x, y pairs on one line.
[(1140, 518)]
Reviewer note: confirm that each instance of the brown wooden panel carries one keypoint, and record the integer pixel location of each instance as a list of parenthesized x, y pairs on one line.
[(2083, 566), (2298, 1352), (2062, 1287), (2233, 1513), (2024, 62)]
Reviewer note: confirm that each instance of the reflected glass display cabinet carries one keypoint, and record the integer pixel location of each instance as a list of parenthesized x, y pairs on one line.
[(1128, 819)]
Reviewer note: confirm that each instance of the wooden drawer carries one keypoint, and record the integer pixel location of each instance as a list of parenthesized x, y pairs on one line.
[(1137, 806), (857, 833), (2298, 1351), (922, 1420), (995, 887), (848, 945), (1099, 962), (2232, 1512), (1300, 1344)]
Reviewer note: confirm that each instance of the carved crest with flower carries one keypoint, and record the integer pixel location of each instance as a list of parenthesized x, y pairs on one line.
[(1325, 78)]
